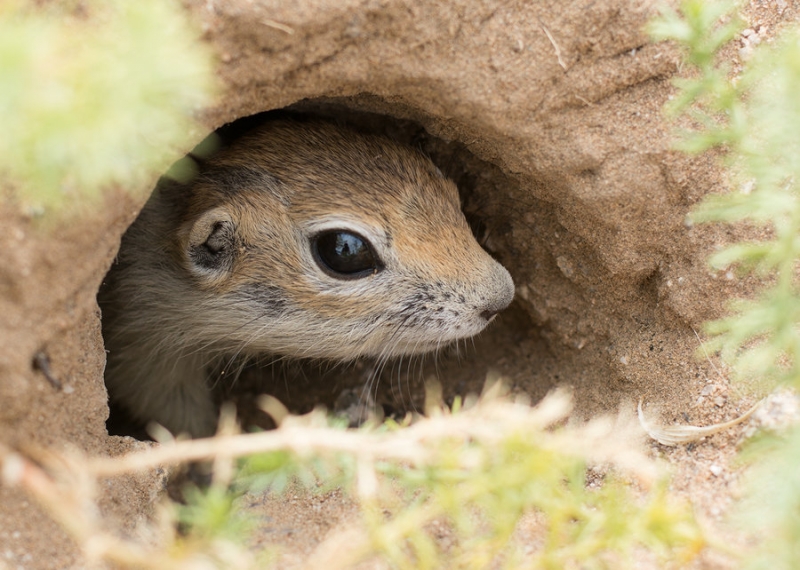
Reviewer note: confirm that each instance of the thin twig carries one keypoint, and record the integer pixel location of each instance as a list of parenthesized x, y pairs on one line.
[(555, 47), (708, 357), (72, 504), (278, 26), (488, 422)]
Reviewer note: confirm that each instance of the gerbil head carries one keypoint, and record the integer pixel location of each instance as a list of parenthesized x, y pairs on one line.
[(309, 240)]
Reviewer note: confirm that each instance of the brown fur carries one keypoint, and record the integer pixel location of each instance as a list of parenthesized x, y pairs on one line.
[(167, 319)]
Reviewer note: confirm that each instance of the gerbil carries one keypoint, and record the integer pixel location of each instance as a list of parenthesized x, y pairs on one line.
[(298, 239)]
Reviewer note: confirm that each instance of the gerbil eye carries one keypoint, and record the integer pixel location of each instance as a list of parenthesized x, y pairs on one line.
[(344, 254)]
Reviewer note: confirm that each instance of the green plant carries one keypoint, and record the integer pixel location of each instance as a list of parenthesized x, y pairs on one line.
[(477, 471), (94, 93), (754, 117)]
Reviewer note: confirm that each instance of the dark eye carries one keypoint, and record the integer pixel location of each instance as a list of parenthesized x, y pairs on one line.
[(344, 254)]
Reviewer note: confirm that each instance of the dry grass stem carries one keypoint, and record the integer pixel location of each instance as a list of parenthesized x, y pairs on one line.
[(488, 422), (555, 47), (677, 434)]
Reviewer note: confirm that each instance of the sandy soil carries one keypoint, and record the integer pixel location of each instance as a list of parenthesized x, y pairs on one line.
[(548, 115)]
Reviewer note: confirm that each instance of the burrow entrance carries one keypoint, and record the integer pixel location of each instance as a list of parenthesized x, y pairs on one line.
[(573, 322)]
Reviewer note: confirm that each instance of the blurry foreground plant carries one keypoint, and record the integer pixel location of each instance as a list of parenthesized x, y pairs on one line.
[(478, 471), (96, 92), (755, 118)]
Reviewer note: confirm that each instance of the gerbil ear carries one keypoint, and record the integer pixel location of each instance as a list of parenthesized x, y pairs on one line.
[(212, 242)]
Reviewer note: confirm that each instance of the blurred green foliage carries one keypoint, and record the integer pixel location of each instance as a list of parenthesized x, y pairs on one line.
[(754, 117), (458, 492), (212, 513), (96, 92), (771, 505), (482, 492)]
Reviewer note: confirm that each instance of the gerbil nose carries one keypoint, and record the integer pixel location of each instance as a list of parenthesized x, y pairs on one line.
[(503, 295), (489, 314), (490, 311)]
